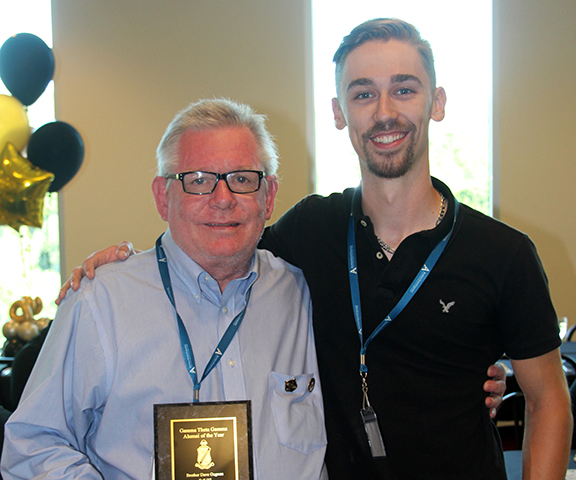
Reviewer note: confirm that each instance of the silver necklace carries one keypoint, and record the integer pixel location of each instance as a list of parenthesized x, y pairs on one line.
[(387, 248)]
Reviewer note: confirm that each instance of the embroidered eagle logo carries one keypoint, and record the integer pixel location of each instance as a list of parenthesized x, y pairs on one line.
[(446, 306)]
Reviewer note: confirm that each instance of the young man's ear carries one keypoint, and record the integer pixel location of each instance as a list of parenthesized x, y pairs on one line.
[(438, 105), (339, 118)]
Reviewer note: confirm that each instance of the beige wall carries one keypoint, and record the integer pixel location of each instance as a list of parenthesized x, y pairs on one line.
[(125, 67), (535, 133)]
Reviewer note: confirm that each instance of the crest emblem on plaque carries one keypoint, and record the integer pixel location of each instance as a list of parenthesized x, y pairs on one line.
[(204, 460)]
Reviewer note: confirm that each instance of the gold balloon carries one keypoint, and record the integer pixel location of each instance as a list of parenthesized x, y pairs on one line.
[(24, 307), (10, 329), (41, 323), (28, 330), (35, 303), (22, 190), (14, 127)]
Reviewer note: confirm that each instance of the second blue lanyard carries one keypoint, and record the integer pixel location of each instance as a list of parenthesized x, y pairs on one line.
[(415, 285)]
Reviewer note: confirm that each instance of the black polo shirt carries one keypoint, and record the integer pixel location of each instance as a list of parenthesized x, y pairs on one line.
[(486, 296)]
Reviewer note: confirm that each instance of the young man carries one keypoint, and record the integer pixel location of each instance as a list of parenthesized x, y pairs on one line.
[(446, 317), (113, 349)]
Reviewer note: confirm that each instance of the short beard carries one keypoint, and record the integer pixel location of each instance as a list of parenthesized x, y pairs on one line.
[(382, 164)]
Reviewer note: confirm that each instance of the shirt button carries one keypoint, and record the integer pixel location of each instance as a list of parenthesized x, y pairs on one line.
[(197, 296), (363, 223), (311, 384), (224, 310), (290, 385), (379, 255), (231, 362), (206, 278)]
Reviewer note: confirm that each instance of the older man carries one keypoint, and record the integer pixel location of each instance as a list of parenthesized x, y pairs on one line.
[(114, 349)]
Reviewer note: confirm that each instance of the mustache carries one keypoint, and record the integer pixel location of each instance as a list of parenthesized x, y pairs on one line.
[(390, 125)]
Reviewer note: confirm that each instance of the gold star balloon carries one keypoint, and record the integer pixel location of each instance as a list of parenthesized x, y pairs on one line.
[(22, 189)]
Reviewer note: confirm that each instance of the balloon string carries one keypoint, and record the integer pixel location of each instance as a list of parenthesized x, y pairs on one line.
[(25, 253)]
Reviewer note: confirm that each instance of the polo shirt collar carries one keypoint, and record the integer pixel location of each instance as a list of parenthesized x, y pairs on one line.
[(434, 235)]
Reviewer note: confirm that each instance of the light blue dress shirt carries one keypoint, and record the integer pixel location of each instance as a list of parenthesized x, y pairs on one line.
[(113, 352)]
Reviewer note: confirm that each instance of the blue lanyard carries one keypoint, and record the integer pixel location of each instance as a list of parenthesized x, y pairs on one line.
[(184, 338), (416, 283)]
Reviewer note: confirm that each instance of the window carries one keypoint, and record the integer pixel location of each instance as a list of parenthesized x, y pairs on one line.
[(31, 258), (460, 34)]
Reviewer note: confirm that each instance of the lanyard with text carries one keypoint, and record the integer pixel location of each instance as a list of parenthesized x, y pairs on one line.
[(184, 338), (368, 414)]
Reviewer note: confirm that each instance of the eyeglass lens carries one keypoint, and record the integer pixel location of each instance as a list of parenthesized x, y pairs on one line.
[(205, 182)]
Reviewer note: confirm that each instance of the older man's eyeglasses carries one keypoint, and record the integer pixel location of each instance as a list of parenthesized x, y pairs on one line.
[(204, 183)]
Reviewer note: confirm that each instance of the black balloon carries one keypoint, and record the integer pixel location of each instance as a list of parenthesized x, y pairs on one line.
[(58, 148), (26, 66)]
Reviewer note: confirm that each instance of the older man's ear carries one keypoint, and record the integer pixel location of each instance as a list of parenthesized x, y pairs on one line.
[(272, 189), (159, 190)]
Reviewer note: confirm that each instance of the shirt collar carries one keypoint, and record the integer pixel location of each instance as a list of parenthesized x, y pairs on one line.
[(446, 224), (434, 235), (199, 282)]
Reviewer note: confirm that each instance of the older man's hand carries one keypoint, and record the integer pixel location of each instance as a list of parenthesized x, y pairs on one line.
[(496, 387), (97, 259)]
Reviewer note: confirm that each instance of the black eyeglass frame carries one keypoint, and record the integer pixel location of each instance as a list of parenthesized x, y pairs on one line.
[(219, 176)]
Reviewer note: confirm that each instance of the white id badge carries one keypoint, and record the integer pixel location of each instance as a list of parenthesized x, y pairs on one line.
[(373, 432)]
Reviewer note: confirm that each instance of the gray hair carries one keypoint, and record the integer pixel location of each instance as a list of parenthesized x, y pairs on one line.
[(210, 115), (385, 29)]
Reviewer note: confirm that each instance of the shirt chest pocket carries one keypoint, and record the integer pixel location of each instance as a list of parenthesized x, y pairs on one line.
[(298, 412)]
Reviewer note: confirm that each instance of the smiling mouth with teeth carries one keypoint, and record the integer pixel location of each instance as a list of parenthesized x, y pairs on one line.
[(387, 139)]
